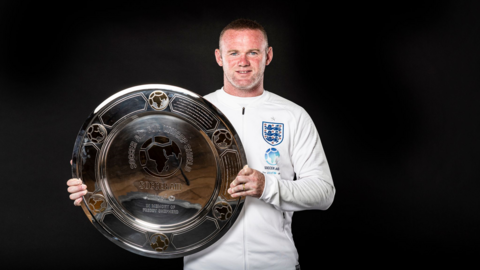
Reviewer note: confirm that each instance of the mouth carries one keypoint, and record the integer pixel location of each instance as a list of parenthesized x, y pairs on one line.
[(243, 71)]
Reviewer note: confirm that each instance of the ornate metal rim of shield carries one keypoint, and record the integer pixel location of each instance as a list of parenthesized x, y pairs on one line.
[(147, 234)]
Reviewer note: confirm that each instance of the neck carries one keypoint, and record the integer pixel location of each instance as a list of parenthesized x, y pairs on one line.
[(234, 91)]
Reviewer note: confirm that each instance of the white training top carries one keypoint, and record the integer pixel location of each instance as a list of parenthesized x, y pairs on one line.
[(280, 140)]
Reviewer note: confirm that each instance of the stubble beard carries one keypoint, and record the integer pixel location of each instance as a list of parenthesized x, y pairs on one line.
[(255, 81)]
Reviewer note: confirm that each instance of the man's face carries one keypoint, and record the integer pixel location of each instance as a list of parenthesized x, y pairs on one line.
[(243, 56)]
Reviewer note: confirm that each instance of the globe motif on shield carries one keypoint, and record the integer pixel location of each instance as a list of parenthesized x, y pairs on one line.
[(159, 242), (97, 203), (160, 156), (158, 100), (272, 155), (96, 133), (222, 138), (222, 211)]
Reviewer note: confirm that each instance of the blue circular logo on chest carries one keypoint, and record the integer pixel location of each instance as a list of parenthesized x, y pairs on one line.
[(272, 155)]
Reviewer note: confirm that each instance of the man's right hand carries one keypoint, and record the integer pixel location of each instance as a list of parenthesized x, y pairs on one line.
[(77, 189)]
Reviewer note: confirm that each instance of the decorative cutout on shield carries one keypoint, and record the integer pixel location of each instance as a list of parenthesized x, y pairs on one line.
[(96, 133), (222, 138), (158, 100), (97, 203), (222, 211), (159, 242)]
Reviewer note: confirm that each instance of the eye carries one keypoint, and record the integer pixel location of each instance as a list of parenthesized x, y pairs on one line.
[(253, 53), (233, 53)]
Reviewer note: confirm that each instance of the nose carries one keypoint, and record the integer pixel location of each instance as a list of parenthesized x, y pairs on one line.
[(243, 62)]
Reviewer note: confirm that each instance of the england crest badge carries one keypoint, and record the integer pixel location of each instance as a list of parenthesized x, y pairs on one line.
[(272, 132)]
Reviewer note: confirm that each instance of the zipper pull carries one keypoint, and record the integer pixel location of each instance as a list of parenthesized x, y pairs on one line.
[(243, 110)]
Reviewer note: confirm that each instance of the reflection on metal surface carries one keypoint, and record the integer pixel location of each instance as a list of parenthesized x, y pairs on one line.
[(231, 165), (157, 161)]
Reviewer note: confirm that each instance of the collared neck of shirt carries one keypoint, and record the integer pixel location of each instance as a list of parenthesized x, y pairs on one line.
[(241, 101)]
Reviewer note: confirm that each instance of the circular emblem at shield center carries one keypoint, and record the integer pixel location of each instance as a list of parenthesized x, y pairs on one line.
[(160, 156)]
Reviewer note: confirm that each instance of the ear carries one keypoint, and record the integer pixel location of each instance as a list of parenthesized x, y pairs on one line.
[(269, 56), (218, 57)]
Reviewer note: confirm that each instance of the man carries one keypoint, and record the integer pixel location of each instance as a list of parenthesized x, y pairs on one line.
[(280, 141)]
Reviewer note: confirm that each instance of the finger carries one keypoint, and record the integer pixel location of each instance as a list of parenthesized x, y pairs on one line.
[(77, 188), (77, 195), (242, 194), (70, 162), (77, 202), (74, 182), (248, 192), (238, 181), (240, 188), (251, 189)]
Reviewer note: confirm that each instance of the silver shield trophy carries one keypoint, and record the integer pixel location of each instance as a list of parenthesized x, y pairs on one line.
[(157, 161)]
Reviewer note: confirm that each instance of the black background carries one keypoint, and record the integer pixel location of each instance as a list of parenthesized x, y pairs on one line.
[(393, 89)]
